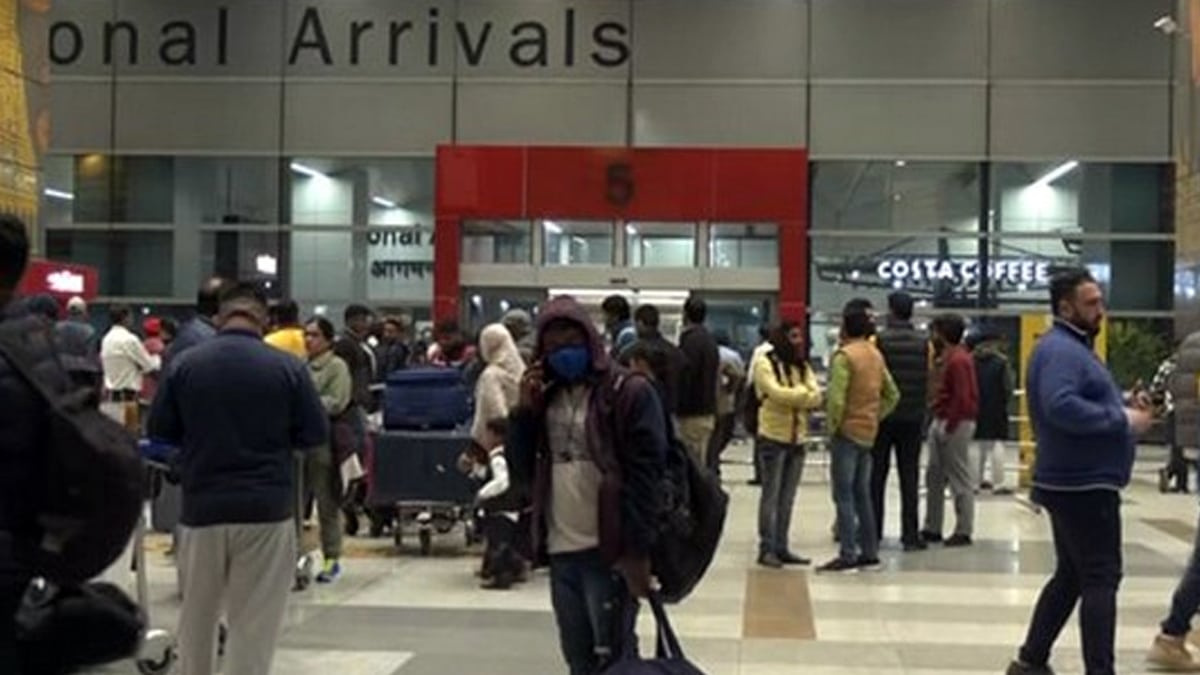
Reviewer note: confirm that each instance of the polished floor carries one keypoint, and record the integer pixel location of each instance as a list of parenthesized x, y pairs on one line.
[(935, 612)]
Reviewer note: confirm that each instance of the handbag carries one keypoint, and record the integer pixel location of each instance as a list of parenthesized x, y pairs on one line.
[(668, 655), (63, 629)]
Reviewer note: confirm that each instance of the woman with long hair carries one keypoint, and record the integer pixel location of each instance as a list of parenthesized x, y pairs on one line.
[(788, 391)]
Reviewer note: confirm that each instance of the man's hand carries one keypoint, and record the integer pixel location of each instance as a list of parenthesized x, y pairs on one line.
[(1140, 420), (636, 571)]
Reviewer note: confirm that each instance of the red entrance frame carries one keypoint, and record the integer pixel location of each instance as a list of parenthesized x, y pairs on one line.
[(646, 184)]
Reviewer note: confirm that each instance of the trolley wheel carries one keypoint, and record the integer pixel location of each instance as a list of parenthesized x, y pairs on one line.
[(426, 536), (160, 665)]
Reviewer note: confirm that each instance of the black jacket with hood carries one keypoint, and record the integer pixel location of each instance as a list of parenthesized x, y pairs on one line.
[(632, 464)]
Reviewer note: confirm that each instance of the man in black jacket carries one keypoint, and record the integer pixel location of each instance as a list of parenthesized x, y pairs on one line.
[(352, 348), (24, 434), (906, 351), (696, 405), (647, 319)]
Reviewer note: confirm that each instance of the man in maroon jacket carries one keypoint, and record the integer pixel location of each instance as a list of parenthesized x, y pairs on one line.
[(954, 411)]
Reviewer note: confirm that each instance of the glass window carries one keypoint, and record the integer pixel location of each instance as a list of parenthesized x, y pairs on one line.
[(361, 191), (660, 244), (247, 255), (238, 191), (399, 264), (1065, 197), (322, 265), (575, 242), (505, 242), (750, 245), (895, 196), (130, 263)]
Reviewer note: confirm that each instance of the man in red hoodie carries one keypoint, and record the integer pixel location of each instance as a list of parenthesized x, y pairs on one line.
[(954, 411)]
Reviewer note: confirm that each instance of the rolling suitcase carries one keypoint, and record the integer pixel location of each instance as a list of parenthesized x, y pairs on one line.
[(426, 398)]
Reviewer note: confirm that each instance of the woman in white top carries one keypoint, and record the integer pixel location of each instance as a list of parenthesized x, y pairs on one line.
[(498, 388)]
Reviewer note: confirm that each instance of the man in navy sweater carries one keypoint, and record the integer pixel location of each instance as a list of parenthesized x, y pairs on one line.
[(236, 407), (1085, 449)]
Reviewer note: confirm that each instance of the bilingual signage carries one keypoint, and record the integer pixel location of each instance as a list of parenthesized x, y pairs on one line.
[(62, 280), (400, 265)]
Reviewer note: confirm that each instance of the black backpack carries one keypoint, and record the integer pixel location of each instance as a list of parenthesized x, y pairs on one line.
[(751, 402), (692, 509), (94, 477)]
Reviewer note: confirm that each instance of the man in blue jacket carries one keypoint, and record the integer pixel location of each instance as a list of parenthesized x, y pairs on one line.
[(1085, 451), (236, 407)]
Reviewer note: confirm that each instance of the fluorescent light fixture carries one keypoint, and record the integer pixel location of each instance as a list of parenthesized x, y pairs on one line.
[(505, 306), (855, 275), (579, 240), (631, 230), (901, 163), (385, 203), (552, 227), (1057, 172), (266, 264), (1166, 25), (58, 194), (477, 300), (307, 170), (320, 310)]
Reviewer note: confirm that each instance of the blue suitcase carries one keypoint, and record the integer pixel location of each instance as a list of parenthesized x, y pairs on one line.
[(426, 398)]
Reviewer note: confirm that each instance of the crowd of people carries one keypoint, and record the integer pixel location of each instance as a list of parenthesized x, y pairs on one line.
[(572, 430)]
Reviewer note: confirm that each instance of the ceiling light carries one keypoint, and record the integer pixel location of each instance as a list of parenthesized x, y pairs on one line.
[(385, 203), (1166, 25), (552, 227), (266, 264), (1057, 172), (901, 163), (58, 194), (631, 230), (579, 240), (307, 170)]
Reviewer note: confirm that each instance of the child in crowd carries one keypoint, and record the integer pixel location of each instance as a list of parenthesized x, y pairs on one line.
[(499, 507)]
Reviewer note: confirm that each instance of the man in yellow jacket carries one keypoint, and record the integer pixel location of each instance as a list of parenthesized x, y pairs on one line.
[(287, 334), (861, 393)]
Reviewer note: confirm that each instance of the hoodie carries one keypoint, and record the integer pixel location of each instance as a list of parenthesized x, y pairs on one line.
[(499, 385), (630, 462)]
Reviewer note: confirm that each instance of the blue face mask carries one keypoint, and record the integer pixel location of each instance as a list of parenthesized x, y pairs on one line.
[(570, 363)]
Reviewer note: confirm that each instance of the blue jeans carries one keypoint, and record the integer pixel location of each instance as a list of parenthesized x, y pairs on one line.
[(1186, 600), (590, 605), (850, 464), (782, 467)]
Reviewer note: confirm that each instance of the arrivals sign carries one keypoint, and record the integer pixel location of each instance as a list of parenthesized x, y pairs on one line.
[(400, 265)]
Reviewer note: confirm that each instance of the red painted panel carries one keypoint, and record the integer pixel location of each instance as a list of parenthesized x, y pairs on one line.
[(611, 183), (62, 280), (763, 185), (480, 182), (793, 271), (447, 249)]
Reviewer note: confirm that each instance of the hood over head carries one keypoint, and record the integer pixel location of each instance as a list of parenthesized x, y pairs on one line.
[(518, 322), (567, 308), (497, 348)]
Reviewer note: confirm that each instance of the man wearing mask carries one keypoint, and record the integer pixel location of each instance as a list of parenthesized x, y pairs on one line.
[(594, 481), (352, 348), (1085, 451), (201, 327), (696, 412)]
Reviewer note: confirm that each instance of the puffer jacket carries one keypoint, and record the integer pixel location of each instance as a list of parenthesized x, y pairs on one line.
[(906, 352), (788, 395), (1185, 392)]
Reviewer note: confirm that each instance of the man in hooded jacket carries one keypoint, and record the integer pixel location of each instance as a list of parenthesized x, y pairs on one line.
[(594, 440)]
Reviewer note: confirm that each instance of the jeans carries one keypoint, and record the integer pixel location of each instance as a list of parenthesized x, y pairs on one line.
[(905, 438), (782, 467), (950, 462), (1186, 600), (590, 603), (1087, 543), (851, 469)]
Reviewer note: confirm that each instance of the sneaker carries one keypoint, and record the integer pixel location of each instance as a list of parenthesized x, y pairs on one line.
[(869, 564), (930, 537), (958, 541), (330, 571), (1171, 654), (1018, 668), (770, 560), (789, 558), (838, 565), (918, 545)]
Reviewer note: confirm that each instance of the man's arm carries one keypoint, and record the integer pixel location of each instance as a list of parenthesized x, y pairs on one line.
[(839, 384), (768, 386), (310, 423), (146, 362), (1065, 408), (890, 395)]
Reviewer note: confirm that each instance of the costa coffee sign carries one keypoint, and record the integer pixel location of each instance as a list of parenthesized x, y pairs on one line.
[(62, 280)]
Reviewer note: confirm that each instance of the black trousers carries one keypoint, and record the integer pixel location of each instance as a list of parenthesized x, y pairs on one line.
[(501, 560), (720, 439), (1087, 543), (905, 438)]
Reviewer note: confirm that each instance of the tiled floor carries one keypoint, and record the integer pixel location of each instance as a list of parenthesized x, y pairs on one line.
[(936, 612)]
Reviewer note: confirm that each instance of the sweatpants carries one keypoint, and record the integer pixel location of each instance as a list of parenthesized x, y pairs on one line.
[(244, 572), (950, 462)]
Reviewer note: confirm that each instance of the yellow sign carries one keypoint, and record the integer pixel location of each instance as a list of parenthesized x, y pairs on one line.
[(1033, 326), (18, 163)]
